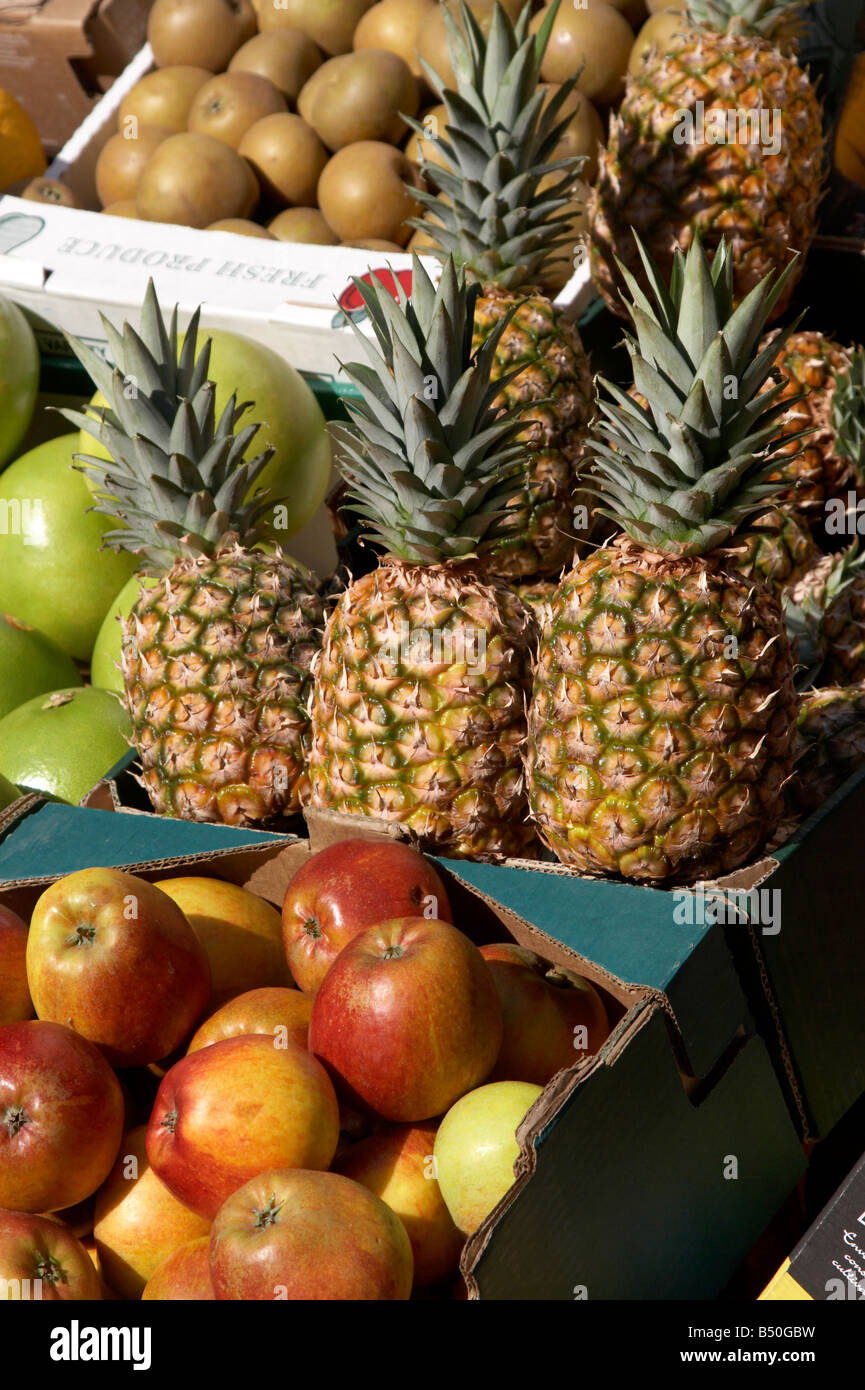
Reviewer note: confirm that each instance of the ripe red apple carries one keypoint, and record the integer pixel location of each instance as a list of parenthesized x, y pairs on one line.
[(15, 1002), (61, 1117), (552, 1018), (138, 1221), (41, 1260), (308, 1236), (235, 1109), (283, 1013), (398, 1166), (184, 1275), (114, 958), (346, 888), (407, 1019)]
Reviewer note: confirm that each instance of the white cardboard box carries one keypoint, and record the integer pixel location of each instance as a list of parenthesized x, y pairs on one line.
[(63, 265)]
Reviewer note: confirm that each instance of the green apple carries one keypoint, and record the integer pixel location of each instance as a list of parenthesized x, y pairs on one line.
[(19, 379), (63, 742), (30, 663), (290, 418), (53, 573), (8, 793), (476, 1148)]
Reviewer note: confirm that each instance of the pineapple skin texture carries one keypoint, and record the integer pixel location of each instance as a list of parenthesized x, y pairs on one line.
[(830, 744), (430, 737), (843, 625), (809, 362), (215, 663), (764, 204), (779, 549), (652, 753), (547, 346)]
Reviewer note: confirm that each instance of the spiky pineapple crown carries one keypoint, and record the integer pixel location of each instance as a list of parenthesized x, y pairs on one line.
[(848, 415), (428, 458), (177, 477), (491, 213), (807, 606), (685, 472), (762, 18)]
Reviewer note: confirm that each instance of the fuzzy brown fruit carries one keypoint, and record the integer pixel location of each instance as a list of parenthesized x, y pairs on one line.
[(394, 24), (329, 23), (594, 40), (205, 32), (50, 191), (359, 96), (162, 98), (285, 57), (305, 225), (122, 161), (362, 192), (287, 158), (193, 180), (228, 106), (240, 226)]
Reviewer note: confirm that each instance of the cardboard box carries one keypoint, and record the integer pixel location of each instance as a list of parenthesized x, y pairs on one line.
[(647, 1171), (59, 57), (829, 1261), (63, 265)]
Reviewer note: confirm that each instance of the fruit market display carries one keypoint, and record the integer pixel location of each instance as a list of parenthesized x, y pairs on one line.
[(288, 1143)]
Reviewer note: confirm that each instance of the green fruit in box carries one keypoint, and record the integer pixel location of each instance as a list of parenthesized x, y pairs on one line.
[(8, 793), (30, 663), (291, 421), (53, 574), (63, 742), (19, 378)]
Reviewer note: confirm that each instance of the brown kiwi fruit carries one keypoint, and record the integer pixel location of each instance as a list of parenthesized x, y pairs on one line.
[(359, 96), (394, 25), (303, 224), (193, 180), (594, 40), (583, 133), (287, 158), (162, 98), (362, 192), (240, 226), (656, 31), (285, 57), (373, 243), (121, 162), (204, 32), (435, 122), (329, 23), (127, 207), (50, 191), (229, 104)]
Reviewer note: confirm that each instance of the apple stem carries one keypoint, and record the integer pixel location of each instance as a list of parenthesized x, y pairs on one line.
[(266, 1216), (15, 1118)]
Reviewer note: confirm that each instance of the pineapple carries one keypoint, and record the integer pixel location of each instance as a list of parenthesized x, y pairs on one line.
[(835, 586), (848, 424), (217, 647), (810, 364), (418, 703), (778, 548), (661, 722), (502, 206), (725, 65)]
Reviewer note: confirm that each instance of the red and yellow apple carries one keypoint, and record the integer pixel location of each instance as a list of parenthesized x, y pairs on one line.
[(346, 888), (241, 934), (138, 1221), (41, 1260), (114, 958), (183, 1276), (398, 1166), (235, 1109), (552, 1018), (308, 1236), (61, 1117), (282, 1013), (15, 1002), (476, 1148), (407, 1019)]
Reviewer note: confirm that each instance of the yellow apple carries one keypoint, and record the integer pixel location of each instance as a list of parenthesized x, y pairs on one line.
[(476, 1147), (138, 1221), (241, 934), (284, 1013)]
